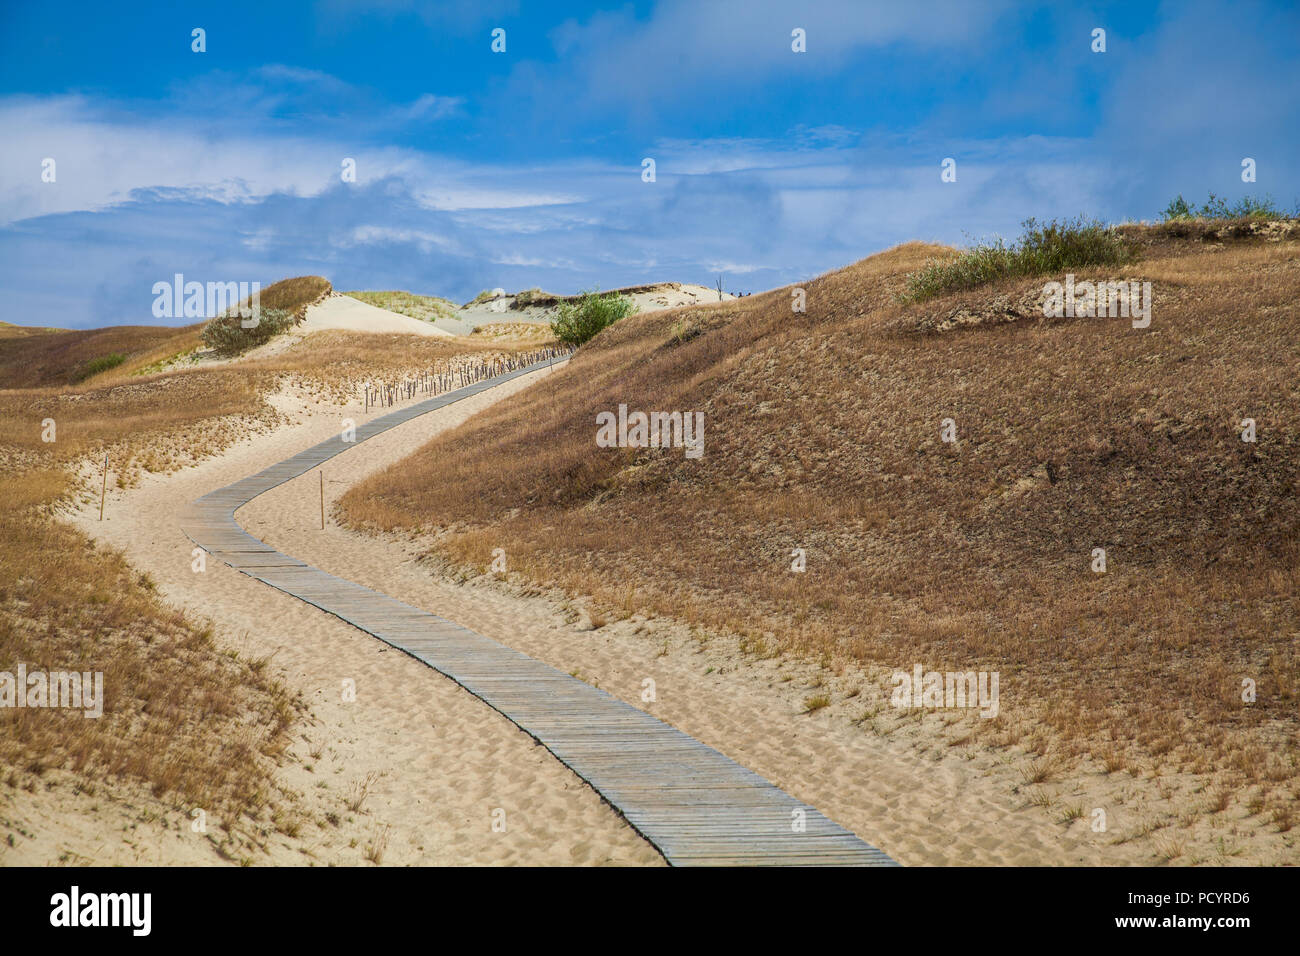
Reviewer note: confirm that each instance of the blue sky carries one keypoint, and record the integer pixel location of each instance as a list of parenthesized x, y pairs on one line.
[(477, 169)]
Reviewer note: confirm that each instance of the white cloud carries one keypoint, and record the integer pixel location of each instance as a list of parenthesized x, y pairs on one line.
[(377, 235), (430, 107), (103, 159), (686, 46)]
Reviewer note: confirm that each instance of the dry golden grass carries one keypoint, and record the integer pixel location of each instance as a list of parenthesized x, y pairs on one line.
[(294, 295), (9, 330), (823, 432), (198, 727), (344, 359), (53, 358), (530, 332), (32, 358)]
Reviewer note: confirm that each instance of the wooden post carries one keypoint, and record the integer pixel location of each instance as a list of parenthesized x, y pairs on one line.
[(103, 488), (322, 501)]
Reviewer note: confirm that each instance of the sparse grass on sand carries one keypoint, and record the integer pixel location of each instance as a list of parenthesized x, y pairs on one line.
[(426, 308), (823, 433), (197, 726), (519, 332)]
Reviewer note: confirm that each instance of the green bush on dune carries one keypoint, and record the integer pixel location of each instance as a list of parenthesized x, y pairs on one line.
[(577, 320), (1218, 208), (1044, 248), (226, 334)]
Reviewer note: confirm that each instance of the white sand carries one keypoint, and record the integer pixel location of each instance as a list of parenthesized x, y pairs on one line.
[(353, 315), (447, 760)]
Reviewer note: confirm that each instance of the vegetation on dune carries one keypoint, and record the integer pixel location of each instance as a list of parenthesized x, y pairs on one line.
[(512, 332), (280, 305), (233, 334), (194, 725), (184, 718), (8, 329), (533, 296), (482, 297), (1248, 207), (1044, 248), (295, 295), (426, 308), (578, 320), (45, 357), (101, 364), (825, 434)]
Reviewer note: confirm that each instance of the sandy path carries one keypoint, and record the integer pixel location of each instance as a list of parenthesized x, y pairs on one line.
[(439, 762)]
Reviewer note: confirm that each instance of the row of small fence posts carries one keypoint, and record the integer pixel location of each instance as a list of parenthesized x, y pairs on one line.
[(437, 381)]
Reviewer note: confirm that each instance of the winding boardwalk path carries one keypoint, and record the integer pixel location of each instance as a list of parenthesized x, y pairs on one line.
[(695, 805)]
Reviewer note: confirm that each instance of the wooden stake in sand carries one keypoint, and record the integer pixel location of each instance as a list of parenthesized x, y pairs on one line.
[(102, 489), (322, 501)]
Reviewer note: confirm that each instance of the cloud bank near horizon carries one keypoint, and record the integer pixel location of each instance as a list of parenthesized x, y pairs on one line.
[(524, 169)]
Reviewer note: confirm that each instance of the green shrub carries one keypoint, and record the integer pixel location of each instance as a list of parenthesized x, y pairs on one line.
[(1044, 248), (226, 334), (1218, 208), (1177, 209), (578, 320), (101, 364)]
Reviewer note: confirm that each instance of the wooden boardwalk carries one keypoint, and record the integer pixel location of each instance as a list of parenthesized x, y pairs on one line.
[(695, 805)]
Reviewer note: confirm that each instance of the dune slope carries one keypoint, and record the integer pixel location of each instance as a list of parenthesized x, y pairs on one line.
[(823, 432)]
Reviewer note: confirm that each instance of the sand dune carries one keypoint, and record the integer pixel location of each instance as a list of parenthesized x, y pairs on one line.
[(918, 808), (352, 315), (447, 760), (440, 761), (542, 308)]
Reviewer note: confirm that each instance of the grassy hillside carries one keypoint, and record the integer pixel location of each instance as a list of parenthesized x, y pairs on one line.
[(8, 329), (823, 432), (195, 725), (33, 358), (58, 357)]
